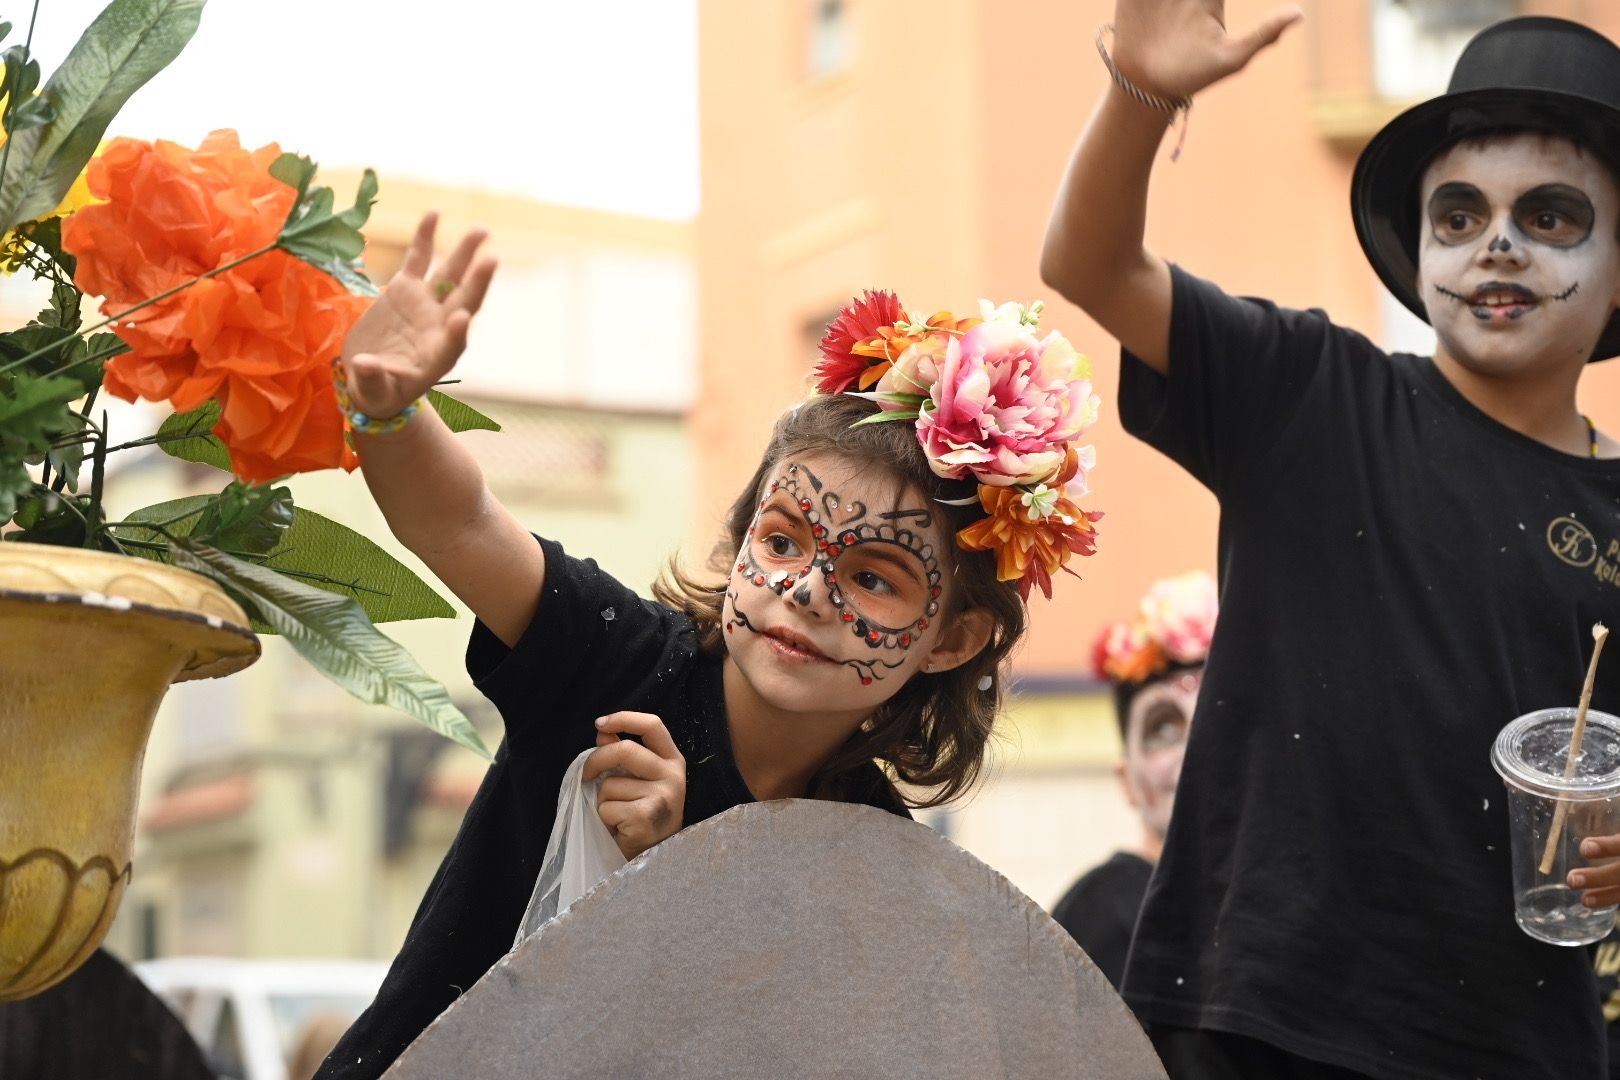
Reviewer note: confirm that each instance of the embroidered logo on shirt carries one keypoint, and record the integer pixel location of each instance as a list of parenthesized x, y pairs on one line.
[(1574, 544)]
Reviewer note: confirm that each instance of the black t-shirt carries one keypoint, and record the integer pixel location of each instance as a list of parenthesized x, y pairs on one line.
[(1401, 576), (593, 648), (1099, 910)]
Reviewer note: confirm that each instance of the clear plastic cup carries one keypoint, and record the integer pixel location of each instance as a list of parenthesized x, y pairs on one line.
[(1531, 754)]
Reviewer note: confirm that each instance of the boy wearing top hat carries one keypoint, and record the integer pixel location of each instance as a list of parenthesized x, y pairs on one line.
[(1411, 553)]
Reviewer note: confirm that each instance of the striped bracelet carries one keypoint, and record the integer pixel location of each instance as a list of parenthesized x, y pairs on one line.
[(1180, 106), (356, 420)]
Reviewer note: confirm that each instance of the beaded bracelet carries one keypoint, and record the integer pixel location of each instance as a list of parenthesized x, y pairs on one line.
[(1180, 106), (356, 420)]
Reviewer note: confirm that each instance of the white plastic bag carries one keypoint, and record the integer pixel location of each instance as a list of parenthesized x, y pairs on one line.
[(580, 853)]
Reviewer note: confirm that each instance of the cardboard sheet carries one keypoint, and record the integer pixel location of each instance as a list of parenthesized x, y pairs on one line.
[(786, 939)]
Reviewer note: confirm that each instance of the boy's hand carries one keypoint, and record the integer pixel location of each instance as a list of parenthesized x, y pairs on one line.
[(413, 335), (643, 797), (1600, 882), (1175, 48)]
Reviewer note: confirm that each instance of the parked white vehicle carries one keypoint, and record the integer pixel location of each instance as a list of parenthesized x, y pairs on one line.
[(250, 1016)]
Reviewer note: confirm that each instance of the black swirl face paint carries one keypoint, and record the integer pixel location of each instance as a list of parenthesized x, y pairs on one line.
[(879, 569)]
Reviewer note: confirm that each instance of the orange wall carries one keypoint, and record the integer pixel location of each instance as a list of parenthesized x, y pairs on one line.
[(930, 166)]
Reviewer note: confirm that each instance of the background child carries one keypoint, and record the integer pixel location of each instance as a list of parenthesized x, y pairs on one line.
[(1154, 663), (848, 638), (1407, 562)]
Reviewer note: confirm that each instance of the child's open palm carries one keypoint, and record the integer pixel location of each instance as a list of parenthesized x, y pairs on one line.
[(416, 331), (1175, 48)]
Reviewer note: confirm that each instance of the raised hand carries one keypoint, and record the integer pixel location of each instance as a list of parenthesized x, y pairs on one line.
[(1175, 48), (643, 797), (416, 331)]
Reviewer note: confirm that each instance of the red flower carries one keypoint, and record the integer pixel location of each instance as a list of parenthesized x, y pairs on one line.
[(857, 324)]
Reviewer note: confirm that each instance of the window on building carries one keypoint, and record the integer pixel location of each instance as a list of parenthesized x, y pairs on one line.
[(1416, 42), (830, 38)]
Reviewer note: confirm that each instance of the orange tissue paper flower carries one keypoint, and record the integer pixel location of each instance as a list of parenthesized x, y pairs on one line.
[(259, 337)]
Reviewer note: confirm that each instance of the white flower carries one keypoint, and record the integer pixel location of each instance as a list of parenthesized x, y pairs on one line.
[(1041, 501), (1012, 312)]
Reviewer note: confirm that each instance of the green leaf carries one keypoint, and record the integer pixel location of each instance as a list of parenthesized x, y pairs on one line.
[(245, 517), (886, 416), (200, 445), (35, 408), (128, 43), (458, 415), (65, 460), (15, 483), (327, 241), (327, 555), (20, 81), (49, 518), (335, 636)]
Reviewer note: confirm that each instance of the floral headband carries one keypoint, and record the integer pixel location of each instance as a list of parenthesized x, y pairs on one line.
[(990, 401), (1173, 625)]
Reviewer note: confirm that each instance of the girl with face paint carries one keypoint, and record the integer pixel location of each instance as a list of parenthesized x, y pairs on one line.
[(1154, 665), (867, 592)]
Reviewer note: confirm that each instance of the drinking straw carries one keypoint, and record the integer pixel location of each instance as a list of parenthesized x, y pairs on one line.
[(1600, 634)]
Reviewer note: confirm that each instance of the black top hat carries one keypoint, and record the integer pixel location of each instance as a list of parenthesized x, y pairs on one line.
[(1535, 73)]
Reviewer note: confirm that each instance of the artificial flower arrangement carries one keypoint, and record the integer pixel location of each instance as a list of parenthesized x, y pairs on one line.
[(991, 402), (228, 282), (1173, 626)]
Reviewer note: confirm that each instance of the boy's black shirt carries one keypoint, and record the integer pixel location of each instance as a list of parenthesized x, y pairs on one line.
[(594, 647), (1099, 911), (1401, 576)]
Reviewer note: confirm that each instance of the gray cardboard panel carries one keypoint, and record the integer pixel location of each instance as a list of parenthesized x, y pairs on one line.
[(787, 939)]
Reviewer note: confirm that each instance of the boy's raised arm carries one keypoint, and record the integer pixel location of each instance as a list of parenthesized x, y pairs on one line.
[(426, 483), (1094, 253)]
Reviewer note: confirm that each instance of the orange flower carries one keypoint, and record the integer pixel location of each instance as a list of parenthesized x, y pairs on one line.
[(1033, 531), (259, 337), (890, 341)]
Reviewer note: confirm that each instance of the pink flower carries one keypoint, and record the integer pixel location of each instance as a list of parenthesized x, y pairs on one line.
[(1005, 404), (1179, 613)]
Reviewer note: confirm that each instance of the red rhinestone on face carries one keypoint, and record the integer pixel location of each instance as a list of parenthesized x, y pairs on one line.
[(873, 635), (729, 628), (905, 639), (866, 680), (922, 624), (848, 616), (820, 530), (934, 591), (759, 579), (741, 567), (833, 550), (804, 504), (848, 538)]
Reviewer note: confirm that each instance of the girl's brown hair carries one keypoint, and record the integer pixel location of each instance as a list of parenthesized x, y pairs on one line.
[(932, 733)]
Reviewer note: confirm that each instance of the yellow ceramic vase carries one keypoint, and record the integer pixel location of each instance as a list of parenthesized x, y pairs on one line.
[(89, 643)]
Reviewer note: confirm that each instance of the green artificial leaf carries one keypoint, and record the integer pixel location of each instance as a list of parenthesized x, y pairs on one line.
[(34, 408), (49, 518), (886, 416), (328, 241), (65, 458), (458, 415), (245, 517), (189, 437), (128, 43), (18, 84), (319, 551), (15, 483), (334, 634)]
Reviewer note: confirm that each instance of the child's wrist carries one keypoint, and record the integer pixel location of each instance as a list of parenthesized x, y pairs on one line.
[(361, 422)]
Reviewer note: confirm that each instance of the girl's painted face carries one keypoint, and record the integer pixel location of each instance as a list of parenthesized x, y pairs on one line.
[(835, 597), (1519, 265), (1155, 739)]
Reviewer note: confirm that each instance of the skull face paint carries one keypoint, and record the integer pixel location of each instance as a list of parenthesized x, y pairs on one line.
[(1519, 265), (874, 574)]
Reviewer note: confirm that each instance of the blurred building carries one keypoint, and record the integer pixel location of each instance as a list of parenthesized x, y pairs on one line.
[(281, 817), (917, 145)]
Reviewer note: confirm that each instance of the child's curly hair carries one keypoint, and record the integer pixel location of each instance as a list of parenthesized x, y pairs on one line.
[(932, 733)]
